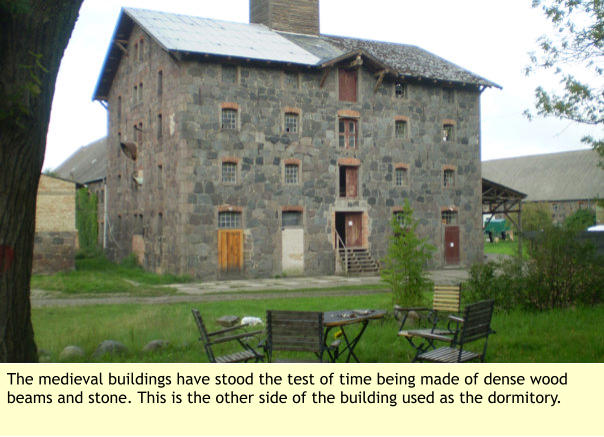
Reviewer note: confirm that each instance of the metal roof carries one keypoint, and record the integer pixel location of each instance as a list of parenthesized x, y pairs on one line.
[(87, 164), (197, 35), (571, 175)]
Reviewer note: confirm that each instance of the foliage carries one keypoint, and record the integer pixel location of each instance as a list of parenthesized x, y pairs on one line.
[(561, 271), (580, 220), (577, 42), (536, 216), (86, 219), (404, 264)]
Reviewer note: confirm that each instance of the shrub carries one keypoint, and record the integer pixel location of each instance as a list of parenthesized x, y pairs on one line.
[(502, 281), (536, 217), (580, 220), (405, 262), (86, 220)]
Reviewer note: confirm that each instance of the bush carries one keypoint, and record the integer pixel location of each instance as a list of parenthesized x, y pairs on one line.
[(86, 221), (580, 220), (404, 265), (501, 281)]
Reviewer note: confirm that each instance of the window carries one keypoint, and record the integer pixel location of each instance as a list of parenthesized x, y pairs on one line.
[(400, 177), (349, 181), (291, 218), (119, 109), (139, 132), (229, 220), (229, 172), (119, 144), (160, 177), (291, 123), (229, 119), (160, 224), (229, 74), (140, 92), (290, 80), (135, 57), (401, 129), (291, 173), (347, 133), (399, 216), (160, 127), (449, 217), (348, 85), (135, 94), (400, 89), (448, 95), (141, 51), (448, 132), (449, 178), (160, 83)]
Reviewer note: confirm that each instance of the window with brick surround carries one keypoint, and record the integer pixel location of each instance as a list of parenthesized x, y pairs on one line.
[(160, 127), (229, 220), (291, 219), (448, 178), (400, 177), (347, 133), (291, 173), (400, 89), (229, 118), (229, 74), (160, 83), (448, 132), (348, 85), (290, 80), (448, 95), (291, 122), (399, 216), (229, 172), (401, 128)]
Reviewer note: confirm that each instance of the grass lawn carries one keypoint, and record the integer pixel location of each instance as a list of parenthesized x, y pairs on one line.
[(506, 247), (572, 335), (99, 275)]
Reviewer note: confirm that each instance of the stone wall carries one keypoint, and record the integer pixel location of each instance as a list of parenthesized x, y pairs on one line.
[(188, 191), (55, 241), (561, 209), (298, 16)]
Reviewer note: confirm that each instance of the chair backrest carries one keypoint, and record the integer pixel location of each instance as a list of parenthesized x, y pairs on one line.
[(446, 298), (300, 331), (204, 335), (477, 321)]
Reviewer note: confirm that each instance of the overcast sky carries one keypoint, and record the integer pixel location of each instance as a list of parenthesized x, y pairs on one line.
[(491, 38)]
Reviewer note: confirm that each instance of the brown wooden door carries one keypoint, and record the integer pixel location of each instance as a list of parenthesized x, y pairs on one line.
[(352, 182), (230, 250), (348, 85), (354, 229), (452, 245)]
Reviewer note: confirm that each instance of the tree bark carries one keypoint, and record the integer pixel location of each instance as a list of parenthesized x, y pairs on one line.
[(33, 37)]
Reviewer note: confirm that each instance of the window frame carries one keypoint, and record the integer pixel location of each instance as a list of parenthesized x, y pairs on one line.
[(448, 132), (291, 213), (448, 182), (233, 68), (232, 220), (233, 171), (346, 92), (404, 171), (233, 122), (346, 134), (405, 134), (292, 116), (399, 84), (449, 217)]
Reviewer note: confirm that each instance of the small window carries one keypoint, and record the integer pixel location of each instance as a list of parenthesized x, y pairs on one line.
[(119, 109), (448, 95), (449, 178), (229, 220), (291, 219), (139, 132), (141, 51), (448, 132), (291, 122), (291, 174), (160, 224), (229, 119), (135, 94), (347, 133), (348, 85), (160, 83), (401, 129), (290, 80), (140, 92), (119, 144), (135, 57), (449, 217), (229, 172), (400, 89), (160, 177), (160, 127), (400, 177), (399, 216), (229, 74)]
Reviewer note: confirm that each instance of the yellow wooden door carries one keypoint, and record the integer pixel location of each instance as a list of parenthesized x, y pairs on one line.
[(230, 250)]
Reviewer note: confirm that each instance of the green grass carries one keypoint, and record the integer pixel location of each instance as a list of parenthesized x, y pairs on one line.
[(99, 275), (506, 247), (572, 335)]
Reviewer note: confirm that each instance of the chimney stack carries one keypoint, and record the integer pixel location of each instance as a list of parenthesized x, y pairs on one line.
[(297, 16)]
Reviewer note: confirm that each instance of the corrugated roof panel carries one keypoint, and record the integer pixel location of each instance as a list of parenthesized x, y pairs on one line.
[(202, 35)]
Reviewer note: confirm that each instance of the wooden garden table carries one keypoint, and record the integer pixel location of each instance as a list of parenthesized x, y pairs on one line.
[(343, 320)]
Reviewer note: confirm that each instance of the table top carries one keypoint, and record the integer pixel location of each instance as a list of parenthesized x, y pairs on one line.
[(349, 317)]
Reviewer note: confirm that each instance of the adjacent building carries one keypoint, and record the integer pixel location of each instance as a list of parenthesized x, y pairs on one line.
[(266, 148)]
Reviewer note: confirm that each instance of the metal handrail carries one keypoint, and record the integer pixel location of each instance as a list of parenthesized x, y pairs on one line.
[(345, 252)]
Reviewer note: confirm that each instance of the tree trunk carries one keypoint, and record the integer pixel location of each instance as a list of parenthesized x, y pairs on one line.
[(33, 37)]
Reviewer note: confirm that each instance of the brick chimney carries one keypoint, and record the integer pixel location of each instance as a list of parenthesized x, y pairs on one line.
[(297, 16)]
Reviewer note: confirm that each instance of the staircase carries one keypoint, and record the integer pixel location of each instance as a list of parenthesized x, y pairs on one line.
[(360, 261)]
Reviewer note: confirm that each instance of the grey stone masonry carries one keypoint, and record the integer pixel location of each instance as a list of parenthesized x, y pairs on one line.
[(173, 205)]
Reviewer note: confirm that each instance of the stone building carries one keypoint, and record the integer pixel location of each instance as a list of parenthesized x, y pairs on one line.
[(564, 182), (55, 241), (266, 148)]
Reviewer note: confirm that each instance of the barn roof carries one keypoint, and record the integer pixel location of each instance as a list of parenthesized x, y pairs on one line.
[(196, 35), (552, 177), (87, 164)]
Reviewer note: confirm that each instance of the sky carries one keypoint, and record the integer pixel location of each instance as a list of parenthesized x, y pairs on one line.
[(488, 37)]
